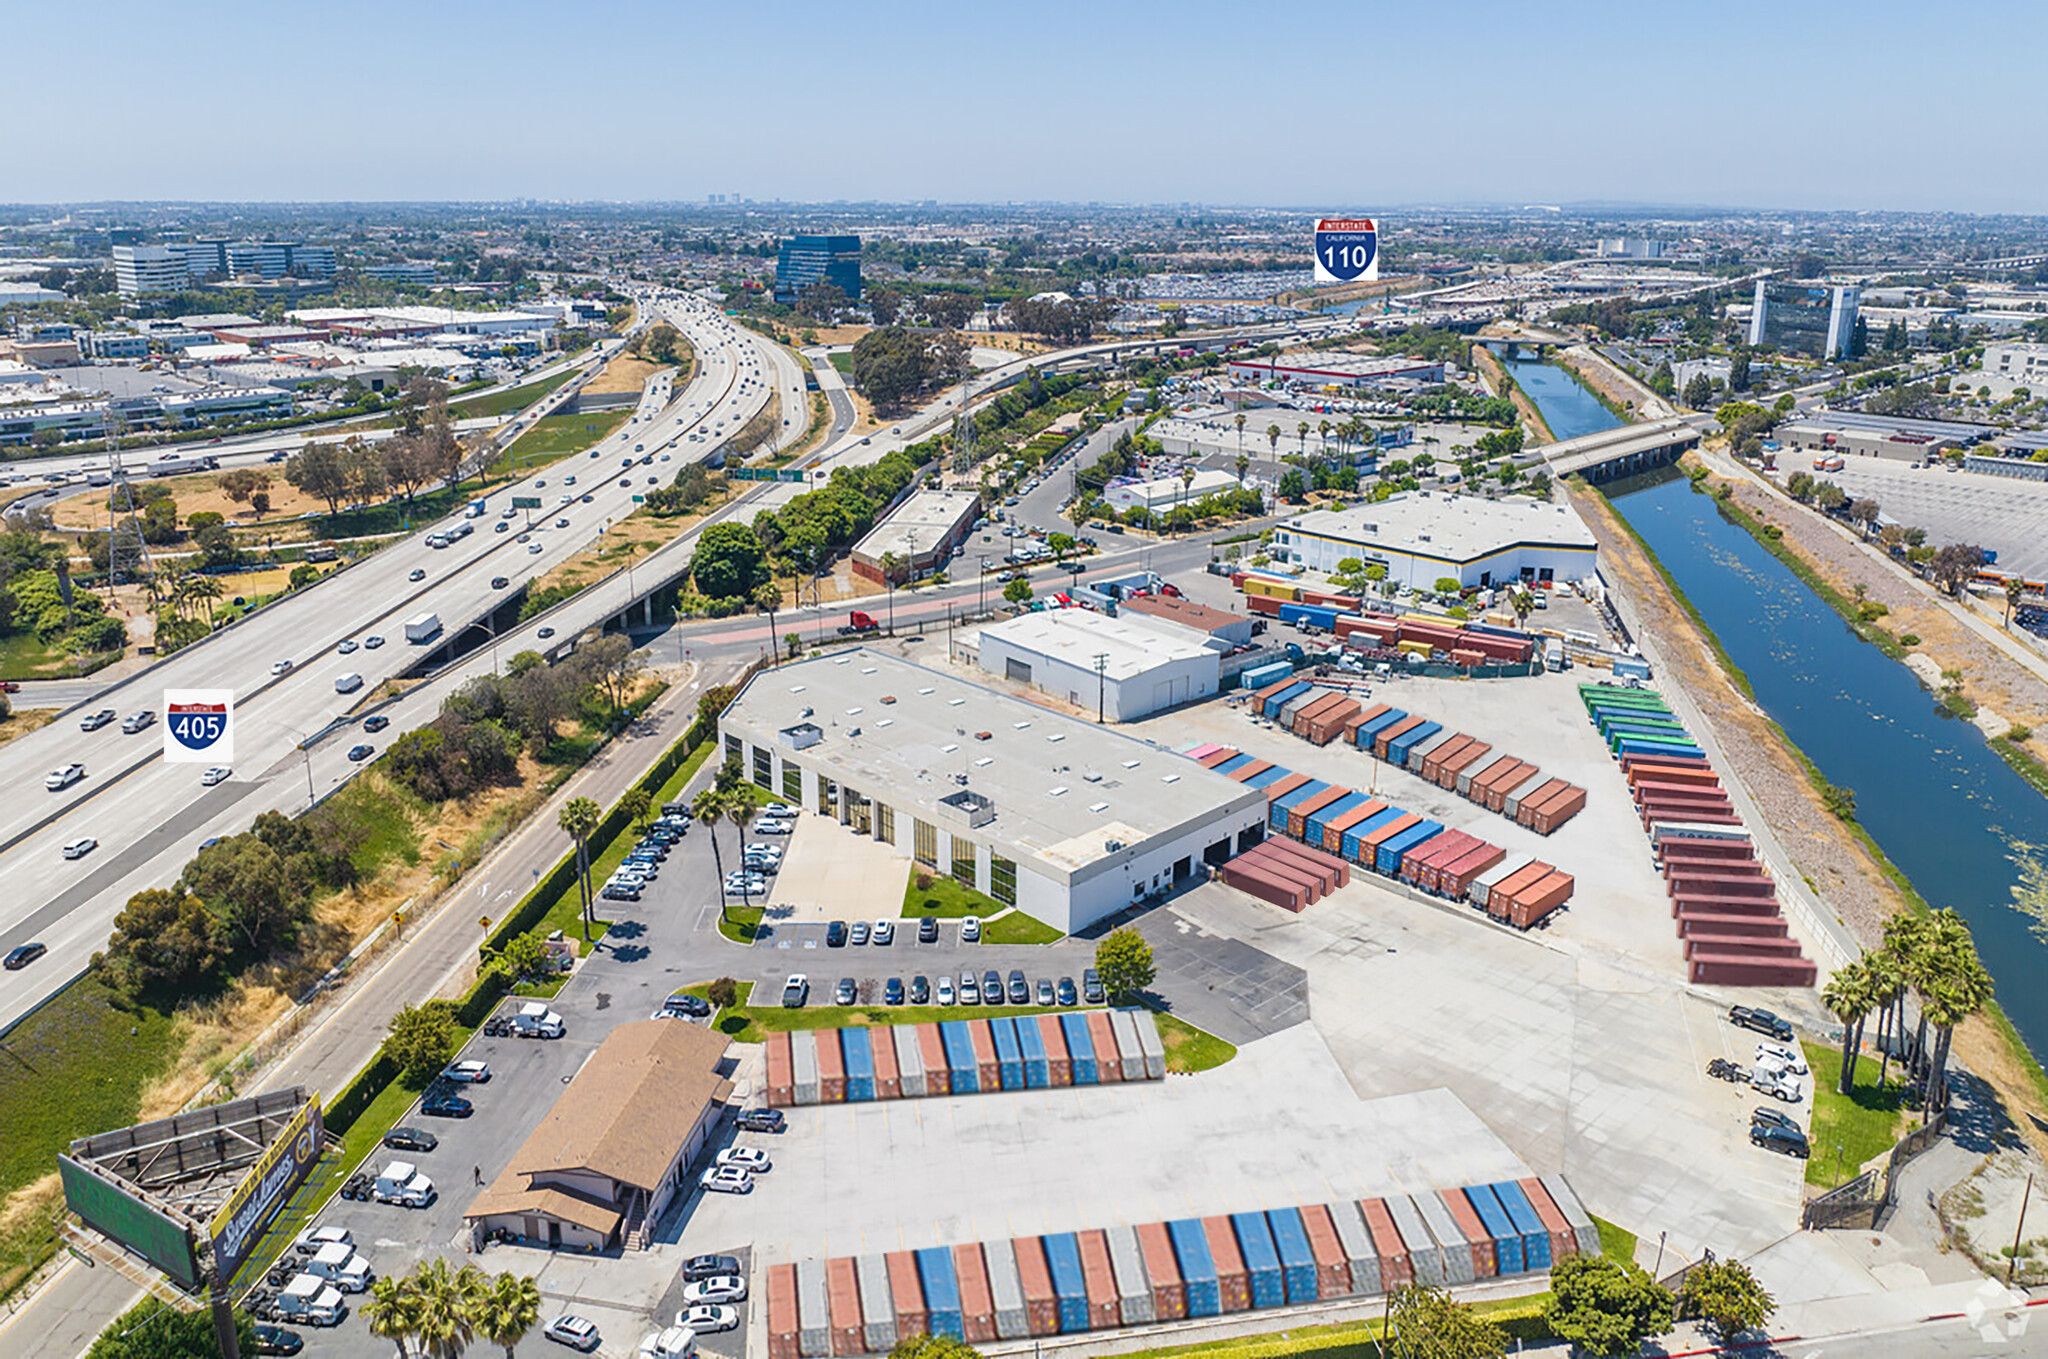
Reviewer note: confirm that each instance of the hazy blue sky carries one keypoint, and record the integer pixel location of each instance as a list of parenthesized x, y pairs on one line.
[(1796, 103)]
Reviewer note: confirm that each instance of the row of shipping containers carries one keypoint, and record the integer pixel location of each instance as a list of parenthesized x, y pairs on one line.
[(1074, 1282), (963, 1056), (1338, 826), (1729, 919), (1345, 617)]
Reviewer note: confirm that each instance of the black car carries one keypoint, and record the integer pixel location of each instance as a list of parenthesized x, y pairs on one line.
[(357, 754), (928, 930), (1091, 987), (278, 1340), (24, 954), (892, 991), (499, 582), (1020, 990), (682, 1002), (377, 723), (1761, 1021), (411, 1139), (447, 1106), (699, 1267), (762, 1120), (1068, 995), (835, 934), (1788, 1140), (1761, 1117)]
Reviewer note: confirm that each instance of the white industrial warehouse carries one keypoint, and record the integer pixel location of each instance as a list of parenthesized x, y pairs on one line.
[(1068, 821), (1422, 537), (1124, 668)]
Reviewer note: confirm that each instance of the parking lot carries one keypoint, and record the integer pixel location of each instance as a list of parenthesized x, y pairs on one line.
[(2004, 514)]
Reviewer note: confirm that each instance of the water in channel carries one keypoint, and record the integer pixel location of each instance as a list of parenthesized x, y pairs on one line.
[(1944, 807)]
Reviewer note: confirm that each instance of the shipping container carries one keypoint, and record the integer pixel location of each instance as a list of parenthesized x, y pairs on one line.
[(1396, 1272), (813, 1309), (1369, 843), (1707, 945), (1174, 1295), (844, 1293), (1059, 1068), (1236, 766), (1535, 1236), (1150, 1044), (1291, 711), (1080, 1048), (1281, 787), (1369, 730), (1422, 864), (910, 1060), (1006, 1290), (1503, 894), (1069, 1284), (1261, 675), (965, 1074), (1009, 1056), (1327, 725), (1301, 809), (938, 1069), (1456, 879), (988, 1071), (1041, 1305), (1270, 707), (1425, 1257), (1329, 871), (977, 1305), (1263, 605), (1333, 1269), (1341, 825), (882, 1049), (1261, 1260), (1394, 732), (1528, 794), (1678, 774), (1563, 1242), (1496, 789), (1031, 1050), (1405, 747), (803, 1062), (1109, 1065), (1446, 749), (857, 1051), (1717, 926), (1584, 1228), (1280, 807), (1452, 1247), (1316, 829), (782, 1341), (1105, 1308), (780, 1078), (1480, 892), (1133, 1284), (877, 1304), (1532, 904), (1217, 757), (1265, 778), (1233, 1289), (1130, 1050), (1735, 969), (907, 1295), (1477, 1239), (941, 1288), (1660, 749), (1387, 858), (1359, 1251), (1721, 884), (1690, 903), (1250, 878), (1305, 711), (1478, 771), (1507, 1242), (1298, 1265)]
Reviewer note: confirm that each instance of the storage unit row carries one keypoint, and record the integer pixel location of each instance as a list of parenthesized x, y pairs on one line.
[(1074, 1282), (963, 1057)]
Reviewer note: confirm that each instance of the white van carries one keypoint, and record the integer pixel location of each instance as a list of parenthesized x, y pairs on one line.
[(341, 1266), (311, 1300), (347, 684), (677, 1342), (402, 1183)]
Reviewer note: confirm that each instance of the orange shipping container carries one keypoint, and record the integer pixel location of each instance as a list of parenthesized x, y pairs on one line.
[(1381, 738), (1497, 789), (780, 1091), (1250, 770), (1532, 903), (1041, 1307), (938, 1071), (988, 1072), (1558, 810), (1503, 893), (907, 1293), (1162, 1272), (1396, 1270), (1060, 1070), (1334, 828), (844, 1291), (1563, 1240), (1476, 1236), (1434, 760), (977, 1303), (1280, 788), (888, 1077), (1109, 1065), (782, 1312), (1232, 1286), (1099, 1278), (1333, 1269), (831, 1068), (1447, 770)]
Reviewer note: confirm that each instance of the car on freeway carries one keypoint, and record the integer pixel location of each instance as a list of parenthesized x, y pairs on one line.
[(545, 633), (215, 775), (357, 754), (928, 930), (21, 955), (533, 549), (418, 574), (835, 934), (376, 723), (843, 994), (94, 721), (753, 1160), (1067, 994), (970, 929), (1045, 993), (280, 667), (708, 1318), (720, 1288), (499, 582), (347, 645), (796, 991), (136, 721), (892, 991), (561, 523), (885, 932), (858, 934), (726, 1180), (79, 848), (709, 1267), (578, 1333), (470, 1073), (1091, 987), (372, 642), (761, 1120), (446, 1106), (945, 990), (1790, 1141), (278, 1340), (411, 1139), (501, 527)]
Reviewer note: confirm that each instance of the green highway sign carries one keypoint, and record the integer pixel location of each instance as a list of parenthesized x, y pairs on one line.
[(639, 500), (525, 502)]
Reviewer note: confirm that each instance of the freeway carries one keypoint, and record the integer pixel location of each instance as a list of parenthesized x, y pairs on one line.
[(149, 815)]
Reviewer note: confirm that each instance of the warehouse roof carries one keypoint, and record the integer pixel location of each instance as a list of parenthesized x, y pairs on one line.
[(1185, 612), (1455, 528), (1339, 363), (1130, 646), (919, 524), (1056, 788)]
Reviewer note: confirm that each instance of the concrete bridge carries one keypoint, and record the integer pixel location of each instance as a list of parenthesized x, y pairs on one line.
[(1620, 452)]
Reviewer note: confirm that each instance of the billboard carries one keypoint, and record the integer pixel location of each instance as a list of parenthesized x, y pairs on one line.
[(282, 1168), (1347, 249), (119, 1215), (199, 726)]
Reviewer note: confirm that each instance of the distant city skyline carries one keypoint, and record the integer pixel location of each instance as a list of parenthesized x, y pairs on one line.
[(1823, 106)]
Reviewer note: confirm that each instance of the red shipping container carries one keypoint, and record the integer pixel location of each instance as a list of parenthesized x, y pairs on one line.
[(1246, 772), (1109, 1067), (1531, 904), (1334, 828), (1232, 1285), (1456, 879), (1304, 716), (1300, 812), (1041, 1307), (1099, 1277), (1252, 881), (888, 1077), (1448, 769), (1708, 904), (1476, 1236), (844, 1291), (782, 1312), (1728, 969), (1467, 657), (1280, 788), (977, 1304), (1563, 1240), (1741, 926), (1333, 1268), (1162, 1272), (1216, 757), (1276, 687), (988, 1072), (1763, 946), (1499, 900), (1441, 864), (1331, 870), (1558, 810), (1723, 885), (1269, 869), (1419, 865), (1329, 725), (1443, 750), (1648, 791), (931, 1049), (831, 1068), (1494, 787), (1705, 816), (1673, 776), (780, 1078), (1675, 849), (1399, 729), (1529, 796), (1396, 1271), (1268, 605), (908, 1295), (1059, 1070)]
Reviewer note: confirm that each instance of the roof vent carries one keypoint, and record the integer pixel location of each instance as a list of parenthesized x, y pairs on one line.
[(984, 736), (950, 747), (1170, 778), (888, 698), (1058, 790), (1098, 806), (1112, 846), (1093, 776), (925, 690)]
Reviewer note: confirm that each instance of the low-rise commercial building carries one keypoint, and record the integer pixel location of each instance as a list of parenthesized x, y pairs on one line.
[(2024, 363), (1164, 493), (1125, 668), (918, 536), (1064, 819), (1336, 368), (1422, 537), (1221, 625)]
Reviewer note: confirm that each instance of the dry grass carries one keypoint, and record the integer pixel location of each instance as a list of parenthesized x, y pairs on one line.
[(626, 373), (1603, 377), (22, 721), (628, 539)]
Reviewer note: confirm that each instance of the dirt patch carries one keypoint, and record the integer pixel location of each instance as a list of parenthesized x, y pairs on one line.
[(840, 583), (626, 373), (22, 721), (1617, 386), (195, 494), (629, 539)]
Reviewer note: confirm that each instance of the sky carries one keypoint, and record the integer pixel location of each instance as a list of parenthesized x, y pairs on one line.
[(1337, 105)]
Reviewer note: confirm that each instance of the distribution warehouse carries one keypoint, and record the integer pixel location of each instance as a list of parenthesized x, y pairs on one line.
[(1064, 819), (1124, 668), (1422, 537)]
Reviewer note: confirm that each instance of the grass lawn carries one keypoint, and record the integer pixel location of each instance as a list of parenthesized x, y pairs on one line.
[(556, 436), (101, 1058), (753, 1023), (945, 898), (1019, 928), (1521, 1318), (23, 657), (1189, 1049), (843, 362), (1849, 1129), (506, 402), (1616, 1243), (741, 923)]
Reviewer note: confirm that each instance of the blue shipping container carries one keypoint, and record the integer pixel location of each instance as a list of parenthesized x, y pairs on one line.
[(1283, 698), (1507, 1242), (1259, 676), (960, 1056), (941, 1292), (1315, 615), (1397, 750), (1297, 1256), (1261, 1261), (1080, 1048), (1276, 812), (1234, 763), (1535, 1236), (1391, 849), (1266, 776), (1031, 1046), (1009, 1057), (1353, 837), (1197, 1267), (1069, 1284), (859, 1055), (1368, 730), (1320, 822), (1689, 752)]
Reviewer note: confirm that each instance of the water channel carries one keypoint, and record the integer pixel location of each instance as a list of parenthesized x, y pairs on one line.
[(1951, 814)]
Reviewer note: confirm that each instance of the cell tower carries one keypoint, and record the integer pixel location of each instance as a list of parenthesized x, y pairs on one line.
[(126, 548)]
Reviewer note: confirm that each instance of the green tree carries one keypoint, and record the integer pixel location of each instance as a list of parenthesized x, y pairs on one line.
[(1738, 370), (162, 939), (256, 903), (506, 1309), (421, 1040), (153, 1330), (445, 1307), (321, 470), (728, 563), (1726, 1297), (525, 957), (304, 574), (1017, 591), (635, 804), (740, 809), (933, 1347), (579, 819), (389, 1310), (1605, 1306), (1124, 960), (1851, 994), (1428, 1323), (1698, 392), (723, 993)]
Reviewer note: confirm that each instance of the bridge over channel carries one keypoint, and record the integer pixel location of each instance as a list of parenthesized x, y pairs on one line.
[(1622, 451)]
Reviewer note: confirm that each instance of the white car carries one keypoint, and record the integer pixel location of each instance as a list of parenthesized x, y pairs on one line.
[(312, 1239), (533, 549), (772, 827), (57, 780), (81, 847), (945, 989), (1781, 1057), (720, 1288), (709, 1319), (970, 929), (470, 1073), (279, 667), (885, 931), (726, 1180), (753, 1160), (348, 645), (780, 810), (576, 1332), (215, 775)]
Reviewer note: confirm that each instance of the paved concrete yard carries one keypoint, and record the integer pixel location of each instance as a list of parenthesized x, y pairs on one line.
[(830, 873), (2002, 513), (1277, 1126)]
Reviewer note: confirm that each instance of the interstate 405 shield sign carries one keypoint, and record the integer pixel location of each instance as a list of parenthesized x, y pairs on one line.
[(1347, 249), (199, 726)]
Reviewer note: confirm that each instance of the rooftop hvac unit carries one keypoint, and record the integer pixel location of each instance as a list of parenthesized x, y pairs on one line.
[(1112, 846)]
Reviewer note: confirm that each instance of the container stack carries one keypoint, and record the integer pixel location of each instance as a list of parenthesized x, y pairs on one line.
[(1346, 618), (1070, 1283), (1722, 896)]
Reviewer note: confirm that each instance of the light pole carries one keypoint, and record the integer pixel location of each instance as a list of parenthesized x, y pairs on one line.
[(1101, 681), (981, 602)]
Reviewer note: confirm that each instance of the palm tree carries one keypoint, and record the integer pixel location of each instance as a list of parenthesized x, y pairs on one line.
[(205, 589), (1187, 483), (1273, 439), (1244, 464), (708, 807), (1301, 437), (390, 1311), (1240, 431), (740, 809), (1963, 990), (444, 1307), (890, 561), (507, 1309), (768, 598), (2014, 588), (1324, 429), (578, 819), (1850, 995)]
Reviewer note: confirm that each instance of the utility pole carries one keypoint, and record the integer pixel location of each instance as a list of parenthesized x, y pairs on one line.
[(2013, 1262), (1101, 673)]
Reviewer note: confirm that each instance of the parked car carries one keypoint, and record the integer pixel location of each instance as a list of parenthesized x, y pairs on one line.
[(309, 1241), (709, 1267), (1067, 994), (277, 1340), (1020, 990), (753, 1160), (928, 930), (411, 1139), (1783, 1056), (945, 991), (858, 934), (796, 991), (835, 934), (446, 1106), (885, 932), (1762, 1021), (470, 1073), (708, 1318), (683, 1003), (726, 1180), (576, 1332), (1788, 1140), (892, 991), (843, 994), (1764, 1114), (724, 1288), (762, 1120), (970, 989), (920, 990), (1045, 994), (970, 929), (1091, 987)]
